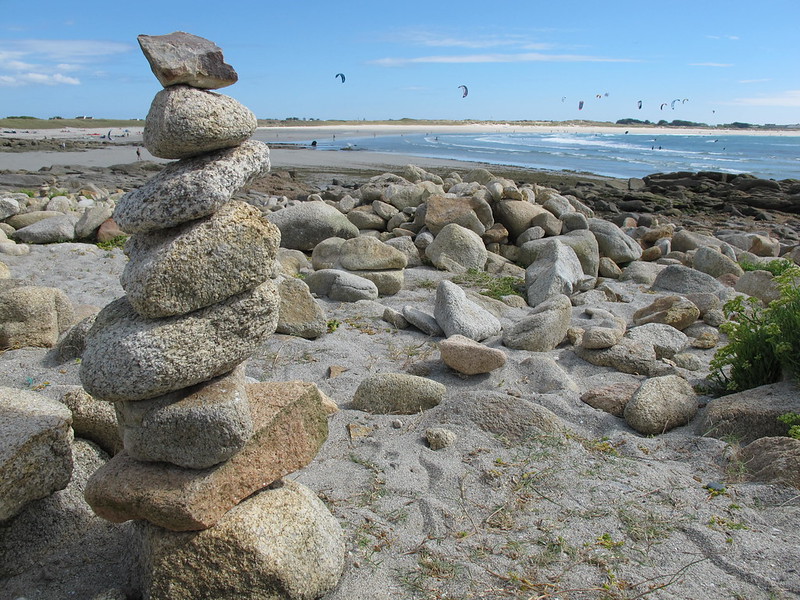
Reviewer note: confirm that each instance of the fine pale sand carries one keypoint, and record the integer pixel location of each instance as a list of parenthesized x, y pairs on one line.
[(510, 510)]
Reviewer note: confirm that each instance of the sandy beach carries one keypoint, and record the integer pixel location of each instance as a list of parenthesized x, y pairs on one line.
[(122, 146), (539, 495)]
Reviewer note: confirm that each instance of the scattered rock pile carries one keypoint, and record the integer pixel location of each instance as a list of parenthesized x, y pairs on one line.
[(200, 443)]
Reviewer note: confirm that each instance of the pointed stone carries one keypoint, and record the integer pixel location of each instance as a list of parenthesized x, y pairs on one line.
[(181, 57)]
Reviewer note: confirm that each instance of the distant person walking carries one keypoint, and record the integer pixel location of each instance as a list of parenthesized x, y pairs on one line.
[(138, 154)]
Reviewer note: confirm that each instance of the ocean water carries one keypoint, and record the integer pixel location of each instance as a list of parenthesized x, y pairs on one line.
[(610, 154)]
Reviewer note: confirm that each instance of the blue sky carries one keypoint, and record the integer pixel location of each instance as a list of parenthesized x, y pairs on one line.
[(523, 59)]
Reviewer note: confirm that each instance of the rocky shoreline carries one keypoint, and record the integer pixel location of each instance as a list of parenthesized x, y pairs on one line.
[(340, 342)]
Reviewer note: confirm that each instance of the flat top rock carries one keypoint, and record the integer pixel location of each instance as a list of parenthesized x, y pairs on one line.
[(181, 57)]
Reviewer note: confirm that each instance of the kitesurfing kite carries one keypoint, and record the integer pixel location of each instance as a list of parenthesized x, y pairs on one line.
[(466, 91), (672, 104), (580, 105), (339, 75), (663, 105), (639, 104)]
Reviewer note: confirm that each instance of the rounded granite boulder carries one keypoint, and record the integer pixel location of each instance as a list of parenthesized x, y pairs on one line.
[(129, 357), (184, 121)]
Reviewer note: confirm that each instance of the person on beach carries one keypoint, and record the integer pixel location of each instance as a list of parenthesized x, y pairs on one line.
[(138, 154)]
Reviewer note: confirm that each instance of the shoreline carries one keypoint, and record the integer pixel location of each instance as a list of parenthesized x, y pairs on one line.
[(121, 148)]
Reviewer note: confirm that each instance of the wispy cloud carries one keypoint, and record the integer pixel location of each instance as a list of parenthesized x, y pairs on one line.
[(754, 80), (47, 62), (494, 58), (710, 64), (787, 99), (723, 37), (433, 39)]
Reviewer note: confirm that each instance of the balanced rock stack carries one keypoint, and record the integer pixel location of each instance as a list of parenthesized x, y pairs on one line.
[(204, 450)]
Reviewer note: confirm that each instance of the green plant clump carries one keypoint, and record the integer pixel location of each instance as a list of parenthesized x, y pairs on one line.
[(494, 287), (762, 342), (115, 242), (793, 421), (779, 266)]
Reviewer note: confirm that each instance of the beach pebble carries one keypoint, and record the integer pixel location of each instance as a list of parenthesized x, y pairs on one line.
[(94, 420), (60, 228), (457, 249), (543, 329), (300, 314), (556, 270), (614, 243), (341, 285), (610, 398), (603, 330), (184, 121), (661, 404), (439, 438), (712, 261), (289, 426), (543, 375), (305, 225), (32, 316), (665, 339), (677, 311), (423, 321), (35, 456), (457, 314), (628, 356), (397, 393), (467, 356), (683, 280), (364, 253)]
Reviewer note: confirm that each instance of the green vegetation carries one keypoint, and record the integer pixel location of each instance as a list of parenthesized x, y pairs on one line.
[(793, 421), (777, 267), (115, 242), (762, 342), (494, 287)]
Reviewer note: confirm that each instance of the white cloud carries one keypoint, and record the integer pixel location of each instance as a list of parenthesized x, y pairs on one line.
[(723, 37), (66, 50), (37, 79), (434, 39), (754, 80), (787, 99), (710, 64), (494, 58), (47, 62)]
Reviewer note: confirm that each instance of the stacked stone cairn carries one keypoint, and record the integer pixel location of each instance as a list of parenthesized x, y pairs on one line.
[(204, 451)]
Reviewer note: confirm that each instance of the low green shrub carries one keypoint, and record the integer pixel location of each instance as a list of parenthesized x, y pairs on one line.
[(777, 267), (762, 341), (793, 421)]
